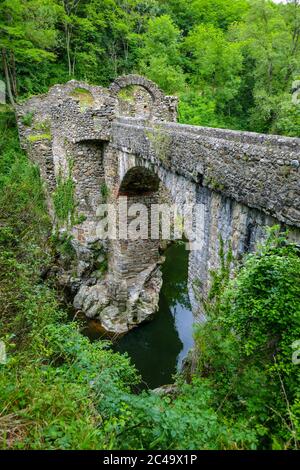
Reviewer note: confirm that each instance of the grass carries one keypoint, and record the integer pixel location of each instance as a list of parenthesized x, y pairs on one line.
[(27, 118)]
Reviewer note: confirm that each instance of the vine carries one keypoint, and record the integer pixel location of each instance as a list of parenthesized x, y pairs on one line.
[(64, 199)]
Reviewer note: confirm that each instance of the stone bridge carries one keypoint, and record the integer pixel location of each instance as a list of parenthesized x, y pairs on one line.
[(123, 144)]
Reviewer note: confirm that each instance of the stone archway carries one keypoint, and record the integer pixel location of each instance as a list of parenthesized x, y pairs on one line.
[(135, 101), (136, 97), (136, 80), (143, 100)]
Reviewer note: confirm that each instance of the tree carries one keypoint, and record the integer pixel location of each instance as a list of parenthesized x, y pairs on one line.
[(272, 41), (70, 21), (160, 54), (214, 63), (245, 347), (219, 13), (27, 35)]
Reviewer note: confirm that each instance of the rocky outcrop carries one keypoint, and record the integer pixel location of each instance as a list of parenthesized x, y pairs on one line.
[(142, 302)]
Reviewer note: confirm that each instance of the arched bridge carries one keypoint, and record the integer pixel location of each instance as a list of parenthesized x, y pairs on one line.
[(123, 145)]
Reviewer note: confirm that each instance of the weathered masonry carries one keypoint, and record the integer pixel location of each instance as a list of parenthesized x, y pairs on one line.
[(95, 145)]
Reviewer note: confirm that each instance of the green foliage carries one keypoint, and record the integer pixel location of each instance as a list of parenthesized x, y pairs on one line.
[(42, 126), (232, 64), (9, 146), (160, 142), (160, 56), (84, 97), (47, 400), (27, 119), (27, 35), (104, 190), (64, 199), (127, 94), (214, 184), (197, 110), (62, 244), (271, 42), (151, 421), (216, 63), (219, 13), (245, 348)]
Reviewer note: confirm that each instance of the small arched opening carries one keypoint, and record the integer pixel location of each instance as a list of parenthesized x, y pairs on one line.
[(135, 101)]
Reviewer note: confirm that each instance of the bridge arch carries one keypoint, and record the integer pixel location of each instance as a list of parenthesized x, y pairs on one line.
[(139, 180)]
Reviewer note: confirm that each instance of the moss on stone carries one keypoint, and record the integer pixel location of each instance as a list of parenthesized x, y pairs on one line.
[(104, 192), (36, 137), (42, 126), (285, 171), (81, 90), (127, 93), (212, 183)]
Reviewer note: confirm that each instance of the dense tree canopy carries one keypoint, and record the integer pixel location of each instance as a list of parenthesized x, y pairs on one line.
[(232, 63)]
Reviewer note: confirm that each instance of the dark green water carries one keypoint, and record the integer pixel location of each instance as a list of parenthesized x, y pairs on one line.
[(158, 348)]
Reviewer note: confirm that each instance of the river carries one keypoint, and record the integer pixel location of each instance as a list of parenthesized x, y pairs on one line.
[(157, 348)]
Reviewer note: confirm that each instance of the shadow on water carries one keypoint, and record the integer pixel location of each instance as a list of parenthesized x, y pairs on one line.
[(158, 348)]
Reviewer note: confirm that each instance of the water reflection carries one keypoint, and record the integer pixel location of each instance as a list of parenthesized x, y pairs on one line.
[(158, 348)]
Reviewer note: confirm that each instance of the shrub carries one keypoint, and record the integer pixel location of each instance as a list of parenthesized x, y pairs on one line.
[(245, 348)]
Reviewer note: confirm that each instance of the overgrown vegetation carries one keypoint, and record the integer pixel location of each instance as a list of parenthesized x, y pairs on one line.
[(64, 198), (59, 391), (127, 94), (46, 395), (245, 348), (27, 119), (104, 190), (232, 63), (160, 143)]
